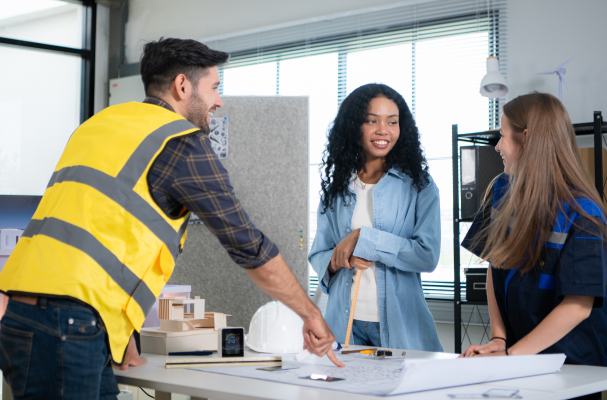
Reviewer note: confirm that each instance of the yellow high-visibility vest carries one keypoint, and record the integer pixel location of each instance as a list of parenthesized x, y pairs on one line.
[(98, 236)]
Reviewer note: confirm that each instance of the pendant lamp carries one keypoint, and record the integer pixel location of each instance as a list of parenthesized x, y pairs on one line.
[(493, 84)]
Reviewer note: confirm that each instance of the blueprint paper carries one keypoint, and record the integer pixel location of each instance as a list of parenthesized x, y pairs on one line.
[(396, 375), (362, 374)]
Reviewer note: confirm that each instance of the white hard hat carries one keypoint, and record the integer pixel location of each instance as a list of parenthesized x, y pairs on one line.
[(275, 329)]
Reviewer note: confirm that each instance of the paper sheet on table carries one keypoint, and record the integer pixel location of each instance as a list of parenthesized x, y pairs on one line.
[(419, 375), (391, 376)]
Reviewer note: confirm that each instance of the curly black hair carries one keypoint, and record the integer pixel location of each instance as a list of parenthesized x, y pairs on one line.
[(344, 155)]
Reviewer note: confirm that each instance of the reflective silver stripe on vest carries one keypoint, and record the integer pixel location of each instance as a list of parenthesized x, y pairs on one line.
[(84, 241), (495, 212), (554, 237), (142, 156), (557, 237), (126, 197), (120, 188), (183, 227)]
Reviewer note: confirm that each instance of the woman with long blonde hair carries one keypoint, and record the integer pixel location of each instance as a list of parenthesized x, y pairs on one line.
[(542, 228)]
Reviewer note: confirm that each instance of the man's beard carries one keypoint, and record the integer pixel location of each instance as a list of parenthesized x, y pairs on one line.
[(197, 111)]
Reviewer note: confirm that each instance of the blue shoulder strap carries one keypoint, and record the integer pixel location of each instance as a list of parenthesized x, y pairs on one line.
[(565, 218), (559, 234), (500, 188)]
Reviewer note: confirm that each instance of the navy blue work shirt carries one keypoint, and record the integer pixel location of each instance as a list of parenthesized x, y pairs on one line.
[(572, 262)]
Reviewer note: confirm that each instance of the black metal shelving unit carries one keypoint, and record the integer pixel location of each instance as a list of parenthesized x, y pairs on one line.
[(490, 138)]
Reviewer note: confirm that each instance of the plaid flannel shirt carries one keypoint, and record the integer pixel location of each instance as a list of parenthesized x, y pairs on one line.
[(187, 175)]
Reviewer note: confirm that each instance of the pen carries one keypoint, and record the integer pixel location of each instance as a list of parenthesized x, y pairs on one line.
[(191, 353)]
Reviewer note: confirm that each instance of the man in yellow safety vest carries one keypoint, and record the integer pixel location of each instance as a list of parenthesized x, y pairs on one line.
[(111, 224)]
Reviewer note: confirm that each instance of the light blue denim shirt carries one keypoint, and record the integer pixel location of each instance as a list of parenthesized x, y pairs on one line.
[(404, 241)]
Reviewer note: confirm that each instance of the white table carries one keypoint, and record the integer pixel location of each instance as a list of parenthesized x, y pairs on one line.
[(571, 381)]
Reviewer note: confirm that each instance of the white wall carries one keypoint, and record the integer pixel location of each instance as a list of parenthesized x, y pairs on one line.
[(542, 34), (196, 19)]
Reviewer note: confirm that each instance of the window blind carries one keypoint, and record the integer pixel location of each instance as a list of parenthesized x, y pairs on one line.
[(419, 21), (417, 13), (432, 52)]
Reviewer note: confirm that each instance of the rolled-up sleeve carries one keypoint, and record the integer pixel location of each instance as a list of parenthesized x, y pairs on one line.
[(201, 184), (583, 267)]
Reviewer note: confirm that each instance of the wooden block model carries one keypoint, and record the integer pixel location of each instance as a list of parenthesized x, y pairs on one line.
[(155, 341), (173, 318), (181, 331), (204, 337)]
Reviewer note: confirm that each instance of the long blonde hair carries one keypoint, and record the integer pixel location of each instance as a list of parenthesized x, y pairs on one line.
[(547, 173)]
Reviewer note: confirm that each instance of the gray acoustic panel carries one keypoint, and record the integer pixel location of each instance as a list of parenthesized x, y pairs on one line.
[(268, 167)]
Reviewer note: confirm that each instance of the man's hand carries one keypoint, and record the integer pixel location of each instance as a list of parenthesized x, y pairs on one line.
[(343, 251), (318, 339), (131, 357), (276, 279)]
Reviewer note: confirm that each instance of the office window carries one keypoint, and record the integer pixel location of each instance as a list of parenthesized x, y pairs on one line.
[(448, 75), (389, 65), (437, 67), (252, 80), (39, 110), (47, 76), (316, 77), (51, 22)]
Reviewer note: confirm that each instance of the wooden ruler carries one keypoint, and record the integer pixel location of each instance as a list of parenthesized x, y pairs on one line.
[(209, 365), (193, 362), (352, 308)]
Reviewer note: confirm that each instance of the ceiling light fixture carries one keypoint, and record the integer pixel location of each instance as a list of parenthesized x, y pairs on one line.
[(494, 84)]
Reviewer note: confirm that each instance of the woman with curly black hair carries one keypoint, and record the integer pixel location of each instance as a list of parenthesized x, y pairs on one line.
[(379, 213)]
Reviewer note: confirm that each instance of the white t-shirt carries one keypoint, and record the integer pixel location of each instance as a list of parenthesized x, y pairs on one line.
[(367, 307)]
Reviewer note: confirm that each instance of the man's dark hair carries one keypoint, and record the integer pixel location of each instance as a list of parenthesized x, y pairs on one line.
[(164, 59)]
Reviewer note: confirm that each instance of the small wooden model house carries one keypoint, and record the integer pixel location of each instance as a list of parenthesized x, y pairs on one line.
[(173, 318), (180, 330)]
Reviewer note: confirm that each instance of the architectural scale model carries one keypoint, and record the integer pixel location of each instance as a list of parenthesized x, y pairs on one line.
[(173, 318), (181, 330)]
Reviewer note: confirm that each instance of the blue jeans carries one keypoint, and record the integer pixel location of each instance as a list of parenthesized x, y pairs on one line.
[(366, 333), (55, 350)]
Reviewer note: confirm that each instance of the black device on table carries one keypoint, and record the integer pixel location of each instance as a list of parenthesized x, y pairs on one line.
[(191, 353), (231, 342)]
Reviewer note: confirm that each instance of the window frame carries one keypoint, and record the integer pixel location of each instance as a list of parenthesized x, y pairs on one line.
[(87, 54), (433, 290)]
